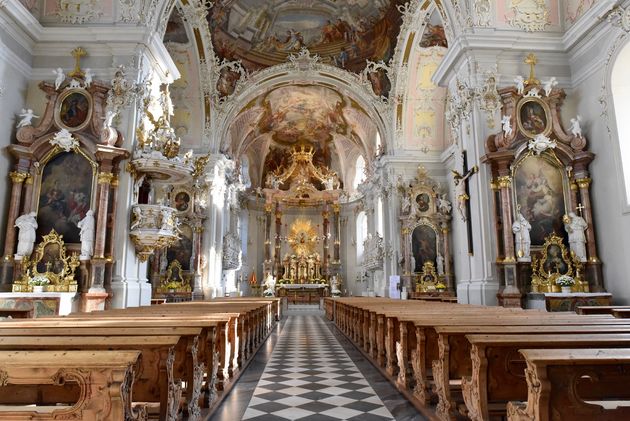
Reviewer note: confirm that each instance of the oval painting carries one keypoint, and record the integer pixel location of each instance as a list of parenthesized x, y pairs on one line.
[(533, 118), (75, 110)]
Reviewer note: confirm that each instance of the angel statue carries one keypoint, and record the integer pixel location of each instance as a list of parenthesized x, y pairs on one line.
[(27, 118), (506, 125), (576, 129), (444, 205), (60, 77), (520, 84), (460, 190), (549, 85), (88, 77)]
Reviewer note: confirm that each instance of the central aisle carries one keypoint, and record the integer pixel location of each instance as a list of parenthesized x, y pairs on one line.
[(311, 377)]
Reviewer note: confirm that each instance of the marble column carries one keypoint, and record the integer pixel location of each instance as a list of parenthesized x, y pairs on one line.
[(27, 202), (447, 257), (98, 262), (267, 262), (196, 263), (336, 234), (325, 260), (6, 274), (277, 248)]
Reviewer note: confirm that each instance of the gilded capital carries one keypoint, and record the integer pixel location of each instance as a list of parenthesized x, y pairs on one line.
[(504, 181), (583, 183), (115, 181), (494, 185), (336, 207), (105, 178), (18, 177), (268, 207)]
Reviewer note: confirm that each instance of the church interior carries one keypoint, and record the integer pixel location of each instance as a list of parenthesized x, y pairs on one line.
[(314, 209)]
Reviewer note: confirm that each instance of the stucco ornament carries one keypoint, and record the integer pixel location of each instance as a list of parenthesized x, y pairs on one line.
[(78, 11), (482, 12), (529, 15), (540, 144), (64, 140), (620, 18)]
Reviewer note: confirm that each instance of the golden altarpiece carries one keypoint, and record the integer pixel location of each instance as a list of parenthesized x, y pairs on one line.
[(540, 178), (425, 226), (313, 255), (65, 166)]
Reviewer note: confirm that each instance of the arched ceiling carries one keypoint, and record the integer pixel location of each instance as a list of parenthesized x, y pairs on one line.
[(344, 33)]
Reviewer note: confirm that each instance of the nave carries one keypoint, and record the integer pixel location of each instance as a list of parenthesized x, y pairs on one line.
[(308, 371)]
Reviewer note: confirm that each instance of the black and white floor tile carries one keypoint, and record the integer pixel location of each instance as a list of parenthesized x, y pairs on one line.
[(311, 377)]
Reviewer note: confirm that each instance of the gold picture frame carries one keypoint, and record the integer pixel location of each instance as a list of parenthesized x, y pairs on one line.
[(73, 110), (533, 117)]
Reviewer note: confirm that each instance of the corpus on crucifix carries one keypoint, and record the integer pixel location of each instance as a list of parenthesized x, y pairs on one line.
[(461, 190)]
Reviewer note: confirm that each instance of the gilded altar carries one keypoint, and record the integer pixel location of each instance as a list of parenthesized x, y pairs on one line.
[(554, 261), (301, 269)]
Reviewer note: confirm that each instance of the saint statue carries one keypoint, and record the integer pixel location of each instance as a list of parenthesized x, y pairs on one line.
[(27, 224), (522, 240), (87, 227), (575, 227), (439, 260)]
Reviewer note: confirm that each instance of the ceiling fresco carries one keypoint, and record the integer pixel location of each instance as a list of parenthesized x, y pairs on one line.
[(295, 116), (343, 33)]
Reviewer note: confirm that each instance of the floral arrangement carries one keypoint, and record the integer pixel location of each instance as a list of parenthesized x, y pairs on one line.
[(173, 285), (565, 281), (440, 286), (39, 281)]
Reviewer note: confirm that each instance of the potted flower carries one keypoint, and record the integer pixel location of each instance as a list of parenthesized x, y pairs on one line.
[(38, 283), (565, 282), (440, 287)]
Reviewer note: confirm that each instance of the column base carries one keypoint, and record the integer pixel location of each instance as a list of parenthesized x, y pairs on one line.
[(93, 301), (131, 293), (477, 292)]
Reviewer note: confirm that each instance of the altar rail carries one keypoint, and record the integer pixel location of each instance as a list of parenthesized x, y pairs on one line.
[(204, 345), (459, 360)]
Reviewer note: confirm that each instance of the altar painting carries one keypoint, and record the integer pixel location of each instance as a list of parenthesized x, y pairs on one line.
[(539, 190), (74, 110), (424, 246), (182, 249), (65, 196)]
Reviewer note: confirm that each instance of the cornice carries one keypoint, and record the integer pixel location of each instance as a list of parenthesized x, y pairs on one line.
[(14, 60)]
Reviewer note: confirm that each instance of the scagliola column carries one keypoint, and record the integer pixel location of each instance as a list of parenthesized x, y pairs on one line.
[(17, 180)]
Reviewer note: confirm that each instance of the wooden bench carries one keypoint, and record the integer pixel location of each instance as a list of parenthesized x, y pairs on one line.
[(89, 385), (574, 384), (497, 372), (17, 313), (585, 310)]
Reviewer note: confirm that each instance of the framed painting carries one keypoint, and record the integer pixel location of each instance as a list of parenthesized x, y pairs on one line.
[(182, 250), (540, 189), (423, 200), (533, 117), (74, 109), (423, 246), (182, 201), (65, 195)]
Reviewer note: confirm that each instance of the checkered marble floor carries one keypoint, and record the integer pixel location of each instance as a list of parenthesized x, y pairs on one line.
[(311, 378)]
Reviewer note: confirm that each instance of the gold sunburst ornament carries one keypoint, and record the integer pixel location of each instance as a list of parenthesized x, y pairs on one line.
[(303, 237)]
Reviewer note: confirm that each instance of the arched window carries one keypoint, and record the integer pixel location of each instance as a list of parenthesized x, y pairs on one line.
[(620, 86), (362, 230), (359, 174)]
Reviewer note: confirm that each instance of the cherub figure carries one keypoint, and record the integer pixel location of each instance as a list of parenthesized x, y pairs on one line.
[(88, 78), (60, 77), (549, 85), (460, 190), (520, 84), (576, 129), (506, 125), (27, 118)]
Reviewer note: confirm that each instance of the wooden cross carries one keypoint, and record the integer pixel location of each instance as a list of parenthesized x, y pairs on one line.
[(580, 207), (532, 61), (78, 53)]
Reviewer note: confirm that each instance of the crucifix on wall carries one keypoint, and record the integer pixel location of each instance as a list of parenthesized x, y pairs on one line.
[(462, 195)]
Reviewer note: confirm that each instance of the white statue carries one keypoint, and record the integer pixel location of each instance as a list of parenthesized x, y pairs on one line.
[(64, 140), (541, 143), (522, 240), (270, 286), (329, 183), (74, 84), (27, 118), (406, 204), (506, 125), (334, 286), (109, 119), (60, 77), (88, 229), (167, 220), (534, 92), (137, 218), (576, 129), (27, 225), (439, 260), (88, 77), (575, 227), (412, 263), (520, 84), (444, 205), (549, 85)]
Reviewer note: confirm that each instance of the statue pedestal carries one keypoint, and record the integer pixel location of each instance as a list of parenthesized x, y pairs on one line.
[(93, 301)]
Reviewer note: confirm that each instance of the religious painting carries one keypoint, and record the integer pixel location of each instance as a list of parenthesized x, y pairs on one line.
[(182, 201), (433, 36), (539, 190), (227, 82), (65, 195), (554, 263), (424, 246), (343, 34), (175, 29), (533, 117), (182, 250), (422, 202), (75, 110), (51, 260)]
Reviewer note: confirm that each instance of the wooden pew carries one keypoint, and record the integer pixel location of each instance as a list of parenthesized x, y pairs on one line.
[(621, 313), (584, 310), (572, 384), (103, 380), (154, 378), (16, 313), (497, 372)]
